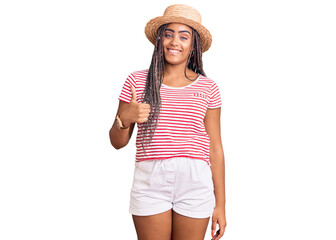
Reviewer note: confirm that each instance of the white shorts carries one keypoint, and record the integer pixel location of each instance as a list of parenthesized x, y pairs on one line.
[(181, 183)]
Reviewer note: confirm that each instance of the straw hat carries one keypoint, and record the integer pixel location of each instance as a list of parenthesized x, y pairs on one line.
[(179, 13)]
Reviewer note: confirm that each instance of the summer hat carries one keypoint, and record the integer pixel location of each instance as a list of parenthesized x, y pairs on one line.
[(180, 13)]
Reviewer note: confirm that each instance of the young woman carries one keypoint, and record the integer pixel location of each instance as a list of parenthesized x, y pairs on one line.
[(178, 179)]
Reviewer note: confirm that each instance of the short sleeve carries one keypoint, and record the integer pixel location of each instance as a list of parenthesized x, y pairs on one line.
[(215, 97), (126, 92)]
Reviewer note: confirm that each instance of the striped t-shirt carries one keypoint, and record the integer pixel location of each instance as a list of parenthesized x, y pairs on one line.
[(180, 131)]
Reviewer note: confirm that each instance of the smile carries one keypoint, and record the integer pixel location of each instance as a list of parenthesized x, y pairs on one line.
[(173, 51)]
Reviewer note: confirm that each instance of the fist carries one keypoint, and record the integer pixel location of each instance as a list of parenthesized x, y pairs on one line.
[(135, 112)]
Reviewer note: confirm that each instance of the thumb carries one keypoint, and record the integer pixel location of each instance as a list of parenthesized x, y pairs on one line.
[(133, 93)]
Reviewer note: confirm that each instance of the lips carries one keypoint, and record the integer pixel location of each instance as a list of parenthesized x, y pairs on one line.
[(173, 51)]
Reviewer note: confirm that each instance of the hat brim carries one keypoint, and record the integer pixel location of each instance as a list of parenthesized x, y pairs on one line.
[(153, 25)]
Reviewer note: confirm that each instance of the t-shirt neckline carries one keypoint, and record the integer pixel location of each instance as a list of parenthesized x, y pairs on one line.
[(183, 86)]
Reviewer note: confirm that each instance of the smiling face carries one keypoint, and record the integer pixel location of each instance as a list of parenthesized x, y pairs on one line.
[(177, 43)]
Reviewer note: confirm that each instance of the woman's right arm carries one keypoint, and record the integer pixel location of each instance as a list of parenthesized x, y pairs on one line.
[(120, 137), (129, 113)]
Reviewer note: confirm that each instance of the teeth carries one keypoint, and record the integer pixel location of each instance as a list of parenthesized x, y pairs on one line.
[(173, 51)]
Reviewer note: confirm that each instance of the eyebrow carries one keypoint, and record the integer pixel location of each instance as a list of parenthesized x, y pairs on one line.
[(168, 29)]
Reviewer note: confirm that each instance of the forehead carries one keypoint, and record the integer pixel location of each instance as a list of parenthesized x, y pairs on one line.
[(179, 27)]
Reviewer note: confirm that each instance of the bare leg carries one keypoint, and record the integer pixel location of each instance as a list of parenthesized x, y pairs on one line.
[(188, 228), (158, 226)]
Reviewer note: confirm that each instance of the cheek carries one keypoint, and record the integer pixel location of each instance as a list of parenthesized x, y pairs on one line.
[(187, 46), (186, 50), (164, 43)]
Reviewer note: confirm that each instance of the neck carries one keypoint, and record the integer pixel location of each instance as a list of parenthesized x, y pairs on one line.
[(176, 71)]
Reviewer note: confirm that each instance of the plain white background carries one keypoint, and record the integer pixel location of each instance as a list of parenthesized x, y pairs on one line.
[(62, 67)]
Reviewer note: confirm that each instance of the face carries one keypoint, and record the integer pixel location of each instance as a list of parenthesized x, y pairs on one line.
[(177, 41)]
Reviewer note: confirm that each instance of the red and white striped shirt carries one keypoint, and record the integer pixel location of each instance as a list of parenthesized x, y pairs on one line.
[(180, 131)]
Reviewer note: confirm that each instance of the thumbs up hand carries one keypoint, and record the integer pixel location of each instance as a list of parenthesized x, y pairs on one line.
[(135, 112)]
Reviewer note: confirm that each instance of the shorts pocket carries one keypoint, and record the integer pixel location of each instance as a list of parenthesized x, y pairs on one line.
[(138, 164), (145, 166), (205, 175)]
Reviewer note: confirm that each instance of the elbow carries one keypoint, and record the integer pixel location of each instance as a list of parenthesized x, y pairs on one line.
[(117, 146), (117, 141)]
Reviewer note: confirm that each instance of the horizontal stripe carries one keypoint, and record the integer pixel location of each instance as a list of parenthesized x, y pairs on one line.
[(180, 131)]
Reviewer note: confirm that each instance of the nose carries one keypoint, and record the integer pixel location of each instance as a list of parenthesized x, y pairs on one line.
[(174, 41)]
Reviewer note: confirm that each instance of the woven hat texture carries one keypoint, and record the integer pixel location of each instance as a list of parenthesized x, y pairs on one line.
[(180, 13)]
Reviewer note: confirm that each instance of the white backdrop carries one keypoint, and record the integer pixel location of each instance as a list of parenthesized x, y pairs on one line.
[(63, 64)]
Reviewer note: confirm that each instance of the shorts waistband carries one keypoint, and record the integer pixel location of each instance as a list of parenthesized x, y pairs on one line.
[(171, 158)]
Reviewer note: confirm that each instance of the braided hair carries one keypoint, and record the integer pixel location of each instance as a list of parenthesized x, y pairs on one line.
[(151, 94)]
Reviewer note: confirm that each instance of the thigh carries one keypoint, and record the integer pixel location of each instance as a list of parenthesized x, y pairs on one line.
[(153, 188), (153, 227), (194, 191), (188, 228)]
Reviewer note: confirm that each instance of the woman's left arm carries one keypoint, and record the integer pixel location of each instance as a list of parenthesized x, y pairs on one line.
[(216, 155)]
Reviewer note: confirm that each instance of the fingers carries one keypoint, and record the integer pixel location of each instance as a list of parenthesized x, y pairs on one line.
[(220, 231), (143, 110), (142, 120), (217, 235), (213, 227), (222, 227), (140, 111), (145, 106)]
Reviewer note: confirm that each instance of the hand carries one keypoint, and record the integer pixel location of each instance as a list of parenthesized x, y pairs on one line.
[(135, 112), (218, 217)]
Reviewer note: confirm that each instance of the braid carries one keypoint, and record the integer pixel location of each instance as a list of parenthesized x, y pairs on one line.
[(195, 62), (151, 94)]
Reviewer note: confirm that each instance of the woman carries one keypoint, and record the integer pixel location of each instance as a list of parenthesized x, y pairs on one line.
[(179, 169)]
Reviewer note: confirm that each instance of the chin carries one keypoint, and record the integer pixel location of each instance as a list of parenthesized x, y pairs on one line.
[(174, 62)]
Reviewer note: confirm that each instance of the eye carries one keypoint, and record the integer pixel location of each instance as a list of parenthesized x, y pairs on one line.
[(168, 35), (184, 38)]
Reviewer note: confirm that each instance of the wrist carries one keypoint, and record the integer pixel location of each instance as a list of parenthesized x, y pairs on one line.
[(220, 204), (120, 125), (124, 121), (220, 208)]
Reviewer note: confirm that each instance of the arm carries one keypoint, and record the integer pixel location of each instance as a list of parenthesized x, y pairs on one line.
[(129, 113), (212, 126), (120, 137)]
